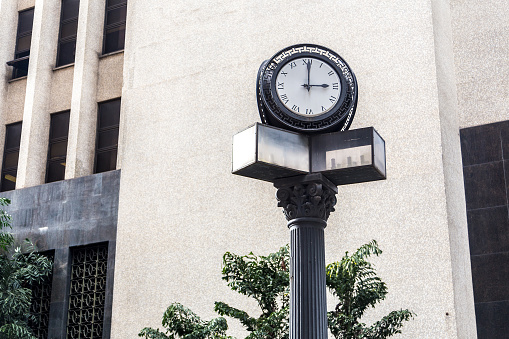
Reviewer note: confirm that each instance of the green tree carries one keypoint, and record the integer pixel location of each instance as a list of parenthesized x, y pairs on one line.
[(266, 279), (181, 322), (19, 269), (354, 282)]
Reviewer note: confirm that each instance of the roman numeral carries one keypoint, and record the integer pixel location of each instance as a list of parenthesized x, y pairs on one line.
[(330, 73), (309, 111), (293, 64), (284, 73), (335, 85), (295, 108), (332, 98), (306, 62), (321, 65), (323, 108), (285, 99), (280, 85)]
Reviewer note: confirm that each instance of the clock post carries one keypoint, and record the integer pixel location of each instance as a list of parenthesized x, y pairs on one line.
[(307, 97), (307, 202)]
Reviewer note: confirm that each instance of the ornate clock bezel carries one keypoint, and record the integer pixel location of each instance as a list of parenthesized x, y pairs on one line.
[(273, 111)]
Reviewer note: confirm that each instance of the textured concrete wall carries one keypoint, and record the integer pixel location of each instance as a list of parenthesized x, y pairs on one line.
[(65, 214), (189, 85), (481, 46)]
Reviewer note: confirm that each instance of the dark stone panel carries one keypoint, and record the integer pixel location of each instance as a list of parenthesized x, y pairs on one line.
[(504, 136), (64, 214), (488, 230), (481, 144), (485, 185), (506, 169), (492, 320), (490, 275)]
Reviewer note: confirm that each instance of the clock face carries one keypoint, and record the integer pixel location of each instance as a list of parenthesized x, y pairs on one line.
[(308, 89), (308, 86)]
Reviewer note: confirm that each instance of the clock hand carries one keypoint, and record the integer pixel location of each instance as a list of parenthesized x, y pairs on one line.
[(308, 65), (322, 85)]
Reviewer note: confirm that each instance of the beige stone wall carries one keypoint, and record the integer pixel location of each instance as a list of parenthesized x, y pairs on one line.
[(481, 47), (189, 85), (46, 90)]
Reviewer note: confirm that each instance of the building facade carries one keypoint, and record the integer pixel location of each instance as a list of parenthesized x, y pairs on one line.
[(118, 116)]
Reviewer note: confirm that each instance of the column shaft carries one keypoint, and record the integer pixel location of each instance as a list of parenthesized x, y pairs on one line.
[(83, 118), (8, 13), (36, 119), (308, 307)]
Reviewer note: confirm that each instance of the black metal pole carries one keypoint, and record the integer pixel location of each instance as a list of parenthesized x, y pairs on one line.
[(307, 202)]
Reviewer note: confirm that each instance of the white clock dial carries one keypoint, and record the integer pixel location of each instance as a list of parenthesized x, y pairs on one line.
[(308, 86)]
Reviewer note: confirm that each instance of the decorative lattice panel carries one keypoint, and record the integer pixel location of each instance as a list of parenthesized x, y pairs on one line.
[(41, 299), (87, 292)]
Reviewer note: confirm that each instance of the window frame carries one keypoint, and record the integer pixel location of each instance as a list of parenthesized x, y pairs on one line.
[(6, 151), (115, 25), (68, 39), (21, 60), (100, 130), (52, 141)]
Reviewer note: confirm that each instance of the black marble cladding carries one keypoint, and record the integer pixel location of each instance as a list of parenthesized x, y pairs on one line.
[(64, 214), (485, 153)]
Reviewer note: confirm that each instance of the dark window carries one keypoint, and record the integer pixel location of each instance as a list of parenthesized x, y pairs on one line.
[(87, 292), (68, 32), (23, 40), (11, 154), (59, 129), (107, 136), (41, 299), (114, 25)]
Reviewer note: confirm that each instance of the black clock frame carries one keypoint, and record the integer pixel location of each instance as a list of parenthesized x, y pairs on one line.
[(273, 111)]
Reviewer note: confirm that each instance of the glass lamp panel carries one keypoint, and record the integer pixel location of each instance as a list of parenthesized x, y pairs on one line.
[(379, 150), (244, 148), (348, 157), (282, 148)]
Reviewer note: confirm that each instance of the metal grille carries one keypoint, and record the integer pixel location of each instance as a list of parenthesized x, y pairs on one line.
[(87, 293), (41, 299)]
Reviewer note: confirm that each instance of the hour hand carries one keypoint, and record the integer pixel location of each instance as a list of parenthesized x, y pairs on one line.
[(322, 85)]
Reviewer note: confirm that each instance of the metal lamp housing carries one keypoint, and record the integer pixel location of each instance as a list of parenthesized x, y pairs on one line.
[(269, 153)]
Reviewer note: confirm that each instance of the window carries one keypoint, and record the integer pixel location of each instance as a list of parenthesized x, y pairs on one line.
[(107, 136), (11, 155), (87, 291), (68, 32), (57, 150), (41, 299), (114, 25), (23, 40)]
